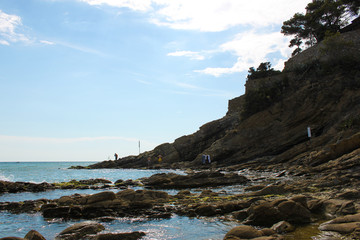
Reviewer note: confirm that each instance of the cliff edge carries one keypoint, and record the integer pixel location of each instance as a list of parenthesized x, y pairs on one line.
[(267, 126)]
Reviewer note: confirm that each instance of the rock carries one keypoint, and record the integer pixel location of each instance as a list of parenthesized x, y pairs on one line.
[(34, 235), (208, 193), (337, 207), (240, 215), (254, 188), (119, 236), (283, 227), (183, 194), (341, 227), (205, 210), (267, 231), (80, 230), (344, 224), (243, 232), (272, 189), (263, 213), (99, 197), (56, 212), (199, 179), (302, 199), (349, 195), (294, 212), (131, 195)]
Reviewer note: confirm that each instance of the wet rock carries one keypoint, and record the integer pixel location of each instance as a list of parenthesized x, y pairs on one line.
[(131, 195), (200, 179), (337, 207), (119, 236), (283, 227), (208, 193), (267, 231), (34, 235), (341, 227), (240, 215), (99, 197), (270, 190), (56, 212), (302, 199), (294, 212), (349, 195), (254, 188), (80, 230), (14, 187), (263, 213), (206, 210), (183, 194), (345, 224), (243, 232)]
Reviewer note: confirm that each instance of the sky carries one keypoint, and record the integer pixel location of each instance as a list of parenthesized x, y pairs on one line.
[(83, 79)]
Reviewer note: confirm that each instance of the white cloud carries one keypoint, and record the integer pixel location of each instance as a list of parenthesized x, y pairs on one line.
[(190, 54), (251, 49), (47, 42), (8, 29), (3, 42), (214, 15), (218, 15), (136, 5)]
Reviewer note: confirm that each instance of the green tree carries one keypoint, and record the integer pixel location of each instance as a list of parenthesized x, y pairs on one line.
[(321, 17), (263, 70)]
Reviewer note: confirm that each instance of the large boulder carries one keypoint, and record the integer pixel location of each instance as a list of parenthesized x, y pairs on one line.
[(243, 232), (264, 213), (345, 224), (34, 235), (193, 180), (80, 230), (99, 197), (131, 195)]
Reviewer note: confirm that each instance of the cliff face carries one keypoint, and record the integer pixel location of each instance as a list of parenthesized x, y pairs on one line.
[(319, 88)]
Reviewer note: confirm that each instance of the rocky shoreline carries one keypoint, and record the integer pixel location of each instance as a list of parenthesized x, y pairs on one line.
[(314, 195), (270, 207)]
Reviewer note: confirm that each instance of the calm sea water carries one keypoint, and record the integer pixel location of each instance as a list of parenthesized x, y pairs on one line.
[(19, 224)]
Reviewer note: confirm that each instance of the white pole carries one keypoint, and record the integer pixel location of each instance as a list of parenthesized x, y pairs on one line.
[(139, 147), (309, 132)]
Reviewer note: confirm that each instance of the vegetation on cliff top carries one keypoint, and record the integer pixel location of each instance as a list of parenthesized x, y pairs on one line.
[(322, 17)]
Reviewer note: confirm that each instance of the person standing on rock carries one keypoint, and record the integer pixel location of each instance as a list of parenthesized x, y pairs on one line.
[(148, 161), (160, 159), (116, 156), (203, 159)]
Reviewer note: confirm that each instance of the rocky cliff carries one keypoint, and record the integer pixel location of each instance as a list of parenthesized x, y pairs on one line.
[(267, 126)]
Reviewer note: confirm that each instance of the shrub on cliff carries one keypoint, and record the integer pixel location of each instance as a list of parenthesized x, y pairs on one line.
[(263, 70)]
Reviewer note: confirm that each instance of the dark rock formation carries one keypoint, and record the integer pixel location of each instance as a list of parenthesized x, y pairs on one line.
[(194, 180), (318, 88), (80, 230)]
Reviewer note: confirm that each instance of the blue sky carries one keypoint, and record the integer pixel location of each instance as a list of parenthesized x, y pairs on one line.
[(82, 79)]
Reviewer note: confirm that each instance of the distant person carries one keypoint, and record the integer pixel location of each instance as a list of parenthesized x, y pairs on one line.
[(148, 161), (203, 159), (208, 159), (159, 159), (116, 156)]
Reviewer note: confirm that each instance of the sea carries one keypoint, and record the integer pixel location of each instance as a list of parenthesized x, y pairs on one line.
[(18, 225)]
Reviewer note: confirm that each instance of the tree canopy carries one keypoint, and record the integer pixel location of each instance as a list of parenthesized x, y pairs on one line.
[(322, 17), (263, 70)]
